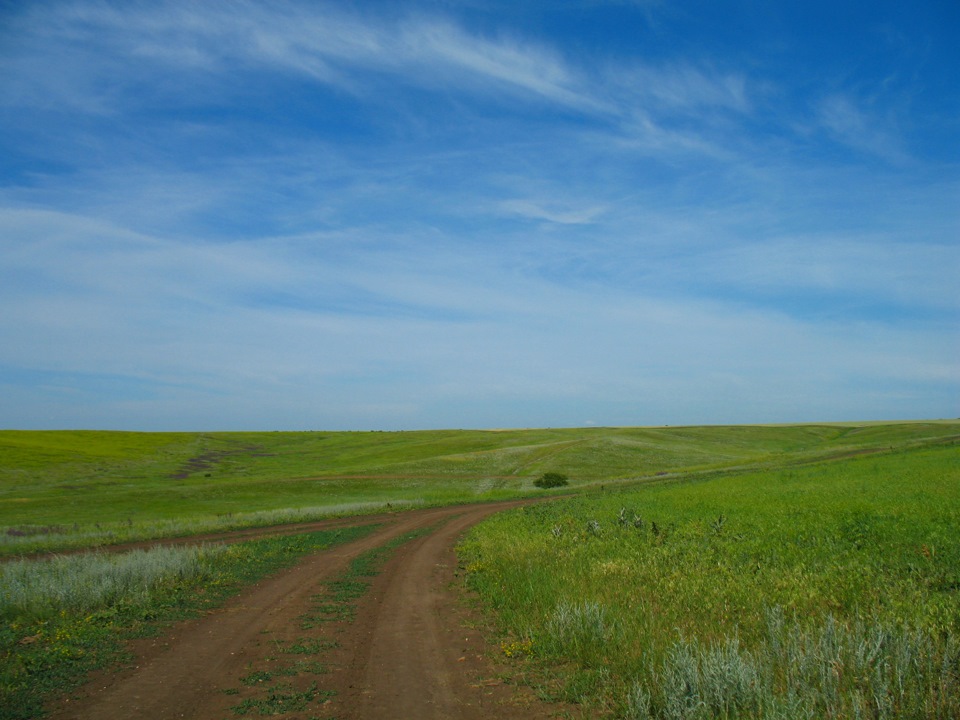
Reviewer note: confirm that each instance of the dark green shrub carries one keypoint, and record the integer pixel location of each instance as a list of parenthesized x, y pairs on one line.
[(551, 480)]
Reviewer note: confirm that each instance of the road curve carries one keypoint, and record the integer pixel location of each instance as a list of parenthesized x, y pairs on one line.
[(405, 654)]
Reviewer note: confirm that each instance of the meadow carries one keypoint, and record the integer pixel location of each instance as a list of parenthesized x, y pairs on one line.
[(829, 590), (717, 572), (63, 489)]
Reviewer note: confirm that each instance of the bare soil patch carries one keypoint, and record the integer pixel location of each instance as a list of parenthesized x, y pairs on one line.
[(210, 459)]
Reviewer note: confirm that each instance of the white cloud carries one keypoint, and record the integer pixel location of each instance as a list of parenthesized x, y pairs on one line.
[(679, 88), (561, 239), (320, 41), (907, 273), (551, 212), (847, 123), (171, 313), (102, 51)]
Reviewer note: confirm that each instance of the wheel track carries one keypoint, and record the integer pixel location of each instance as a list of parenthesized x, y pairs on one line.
[(405, 655)]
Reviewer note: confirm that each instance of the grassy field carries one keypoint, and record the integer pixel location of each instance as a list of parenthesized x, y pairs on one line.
[(829, 590), (75, 488), (754, 571)]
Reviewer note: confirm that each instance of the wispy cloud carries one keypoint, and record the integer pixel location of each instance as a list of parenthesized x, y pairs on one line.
[(535, 210), (320, 41), (327, 215), (105, 53), (847, 123), (681, 88)]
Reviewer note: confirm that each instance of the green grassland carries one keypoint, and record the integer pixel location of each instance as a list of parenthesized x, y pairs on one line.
[(827, 590), (792, 571), (63, 488)]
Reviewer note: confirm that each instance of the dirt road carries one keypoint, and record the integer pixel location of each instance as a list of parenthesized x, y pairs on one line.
[(409, 651)]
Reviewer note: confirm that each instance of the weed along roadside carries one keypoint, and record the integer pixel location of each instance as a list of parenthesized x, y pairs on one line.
[(67, 616), (816, 591)]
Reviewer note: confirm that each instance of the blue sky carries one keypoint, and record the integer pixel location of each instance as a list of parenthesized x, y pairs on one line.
[(383, 215)]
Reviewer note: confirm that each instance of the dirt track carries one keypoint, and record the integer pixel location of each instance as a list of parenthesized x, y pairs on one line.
[(410, 651)]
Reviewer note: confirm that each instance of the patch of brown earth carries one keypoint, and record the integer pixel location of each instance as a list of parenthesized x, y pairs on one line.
[(211, 458)]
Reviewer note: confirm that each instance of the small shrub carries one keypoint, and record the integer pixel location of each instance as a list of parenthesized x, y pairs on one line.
[(551, 480), (579, 629)]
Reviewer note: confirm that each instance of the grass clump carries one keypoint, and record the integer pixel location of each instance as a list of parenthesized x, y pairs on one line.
[(281, 699), (833, 670), (826, 590), (96, 582)]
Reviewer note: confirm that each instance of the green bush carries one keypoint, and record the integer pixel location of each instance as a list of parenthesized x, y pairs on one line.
[(551, 480)]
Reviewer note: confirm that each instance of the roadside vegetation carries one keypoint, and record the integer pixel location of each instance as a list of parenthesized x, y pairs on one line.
[(814, 591), (61, 617), (65, 489), (32, 539)]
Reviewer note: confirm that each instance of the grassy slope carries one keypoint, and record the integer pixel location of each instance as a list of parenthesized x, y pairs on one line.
[(133, 472), (87, 477)]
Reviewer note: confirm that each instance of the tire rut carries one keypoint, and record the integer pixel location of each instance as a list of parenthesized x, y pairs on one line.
[(404, 655)]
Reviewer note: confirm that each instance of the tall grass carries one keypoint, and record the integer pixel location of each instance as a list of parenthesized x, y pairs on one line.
[(38, 589), (23, 539), (819, 591), (830, 670)]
